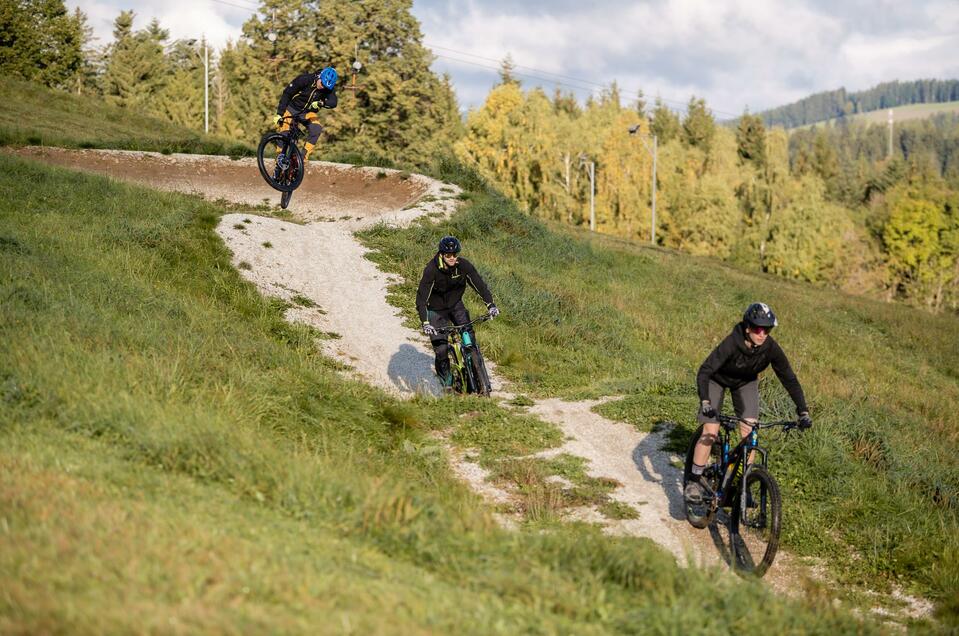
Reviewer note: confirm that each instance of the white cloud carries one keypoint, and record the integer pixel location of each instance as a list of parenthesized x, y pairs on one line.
[(734, 53)]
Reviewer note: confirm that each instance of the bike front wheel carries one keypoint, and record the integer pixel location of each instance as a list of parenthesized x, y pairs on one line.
[(700, 515), (280, 162), (480, 376), (756, 516)]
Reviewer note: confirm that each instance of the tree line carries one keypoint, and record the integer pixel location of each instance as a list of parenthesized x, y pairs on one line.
[(827, 205), (840, 103), (399, 110)]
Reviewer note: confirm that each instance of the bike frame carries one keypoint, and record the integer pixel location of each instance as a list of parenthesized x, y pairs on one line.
[(462, 345), (733, 466)]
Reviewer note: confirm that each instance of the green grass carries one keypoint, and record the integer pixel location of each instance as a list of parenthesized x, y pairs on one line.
[(176, 457), (35, 115), (872, 489)]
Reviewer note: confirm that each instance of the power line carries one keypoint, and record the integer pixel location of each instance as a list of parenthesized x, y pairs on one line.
[(681, 104)]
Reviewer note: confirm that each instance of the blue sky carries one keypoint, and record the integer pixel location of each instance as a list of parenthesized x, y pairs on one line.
[(734, 53)]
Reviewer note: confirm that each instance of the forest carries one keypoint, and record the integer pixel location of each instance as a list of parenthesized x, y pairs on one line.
[(847, 206)]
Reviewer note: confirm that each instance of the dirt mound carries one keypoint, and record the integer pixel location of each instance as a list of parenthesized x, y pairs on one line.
[(327, 191)]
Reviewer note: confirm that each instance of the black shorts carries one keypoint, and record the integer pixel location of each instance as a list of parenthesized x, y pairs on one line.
[(745, 401)]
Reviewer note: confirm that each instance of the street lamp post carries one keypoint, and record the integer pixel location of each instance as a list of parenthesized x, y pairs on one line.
[(654, 151), (206, 81)]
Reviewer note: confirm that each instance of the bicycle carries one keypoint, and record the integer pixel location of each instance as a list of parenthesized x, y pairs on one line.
[(466, 359), (754, 519), (281, 161)]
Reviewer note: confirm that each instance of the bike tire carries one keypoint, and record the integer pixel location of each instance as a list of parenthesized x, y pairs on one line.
[(754, 532), (701, 515), (483, 387), (266, 158), (285, 199), (470, 376)]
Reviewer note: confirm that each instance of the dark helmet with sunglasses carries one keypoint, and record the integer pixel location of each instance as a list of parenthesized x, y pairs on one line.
[(760, 315)]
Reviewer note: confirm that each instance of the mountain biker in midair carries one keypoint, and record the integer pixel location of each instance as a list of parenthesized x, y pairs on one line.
[(735, 365), (439, 299), (303, 97)]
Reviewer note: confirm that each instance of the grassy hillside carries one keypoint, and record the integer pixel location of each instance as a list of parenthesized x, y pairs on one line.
[(35, 115), (176, 457), (872, 489), (900, 114)]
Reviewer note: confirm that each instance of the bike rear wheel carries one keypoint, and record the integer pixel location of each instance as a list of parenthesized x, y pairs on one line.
[(280, 162), (481, 377), (702, 514), (285, 199), (756, 518)]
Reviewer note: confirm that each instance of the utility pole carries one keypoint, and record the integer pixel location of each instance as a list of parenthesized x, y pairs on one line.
[(889, 154), (206, 86), (591, 166), (654, 152)]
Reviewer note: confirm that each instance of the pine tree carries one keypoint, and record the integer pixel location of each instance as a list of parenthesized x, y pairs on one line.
[(665, 124), (699, 127), (40, 40), (751, 140), (135, 67), (506, 69)]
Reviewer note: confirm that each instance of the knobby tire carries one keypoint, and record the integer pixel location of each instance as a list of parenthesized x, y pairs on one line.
[(755, 531), (291, 178), (479, 373)]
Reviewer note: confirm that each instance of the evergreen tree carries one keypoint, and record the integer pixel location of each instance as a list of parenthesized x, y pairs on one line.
[(699, 127), (40, 40), (400, 109), (506, 69), (751, 140), (136, 69), (665, 124)]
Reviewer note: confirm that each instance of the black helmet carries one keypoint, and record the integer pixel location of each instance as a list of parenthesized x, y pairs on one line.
[(449, 245), (760, 315)]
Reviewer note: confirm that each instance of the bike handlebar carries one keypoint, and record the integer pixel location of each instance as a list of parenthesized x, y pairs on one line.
[(730, 421), (458, 328)]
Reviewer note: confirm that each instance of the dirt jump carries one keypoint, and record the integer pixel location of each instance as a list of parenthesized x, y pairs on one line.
[(314, 262)]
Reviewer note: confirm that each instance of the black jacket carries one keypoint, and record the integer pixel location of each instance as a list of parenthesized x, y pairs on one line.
[(733, 364), (303, 91), (442, 287)]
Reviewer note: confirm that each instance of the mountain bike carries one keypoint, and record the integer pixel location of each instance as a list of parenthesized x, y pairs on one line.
[(280, 159), (745, 489), (466, 359)]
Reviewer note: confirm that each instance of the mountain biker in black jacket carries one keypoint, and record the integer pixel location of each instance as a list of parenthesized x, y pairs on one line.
[(735, 365), (303, 97), (439, 299)]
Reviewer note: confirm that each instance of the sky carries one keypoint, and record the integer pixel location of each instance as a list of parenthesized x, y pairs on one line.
[(736, 54)]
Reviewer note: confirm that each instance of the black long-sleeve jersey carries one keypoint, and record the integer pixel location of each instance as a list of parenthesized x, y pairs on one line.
[(303, 91), (442, 287), (733, 364)]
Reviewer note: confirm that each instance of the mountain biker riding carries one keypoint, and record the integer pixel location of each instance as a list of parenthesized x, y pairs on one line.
[(439, 299), (735, 365), (304, 96)]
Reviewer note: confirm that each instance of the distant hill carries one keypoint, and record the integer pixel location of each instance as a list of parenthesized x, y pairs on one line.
[(840, 103)]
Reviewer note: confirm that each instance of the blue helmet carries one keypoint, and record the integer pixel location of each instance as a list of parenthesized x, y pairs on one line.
[(328, 77), (449, 245)]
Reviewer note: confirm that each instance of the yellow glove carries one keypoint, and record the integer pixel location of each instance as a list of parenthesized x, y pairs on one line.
[(315, 106), (276, 119)]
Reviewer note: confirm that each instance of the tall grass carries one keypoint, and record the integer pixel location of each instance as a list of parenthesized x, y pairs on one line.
[(31, 114), (176, 457), (872, 488)]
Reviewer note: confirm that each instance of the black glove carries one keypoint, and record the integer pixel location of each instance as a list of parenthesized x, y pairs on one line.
[(493, 311), (804, 421), (706, 408), (430, 330)]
